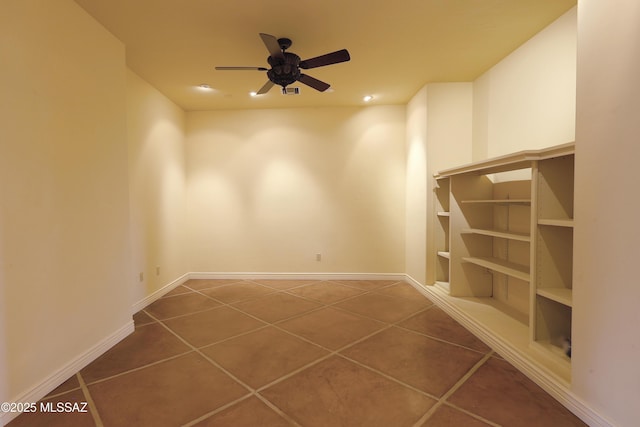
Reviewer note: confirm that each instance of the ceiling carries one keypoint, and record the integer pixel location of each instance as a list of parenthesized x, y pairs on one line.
[(396, 47)]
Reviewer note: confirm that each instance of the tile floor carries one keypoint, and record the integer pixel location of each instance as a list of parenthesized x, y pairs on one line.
[(300, 353)]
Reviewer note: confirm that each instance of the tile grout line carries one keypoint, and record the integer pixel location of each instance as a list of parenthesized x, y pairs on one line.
[(277, 410), (62, 393), (442, 340), (453, 389), (215, 411), (324, 305), (318, 360), (197, 350), (331, 352), (344, 347), (92, 405), (471, 414), (252, 391), (139, 368)]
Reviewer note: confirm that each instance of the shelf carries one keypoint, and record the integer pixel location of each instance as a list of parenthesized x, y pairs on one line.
[(497, 233), (501, 266), (562, 295), (556, 222), (444, 214), (509, 162), (444, 254), (499, 201)]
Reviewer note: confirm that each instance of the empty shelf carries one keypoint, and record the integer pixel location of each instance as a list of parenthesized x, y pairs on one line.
[(497, 233), (556, 222), (561, 295), (501, 266), (501, 201)]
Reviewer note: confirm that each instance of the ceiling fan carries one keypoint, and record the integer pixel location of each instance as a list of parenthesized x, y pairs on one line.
[(285, 66)]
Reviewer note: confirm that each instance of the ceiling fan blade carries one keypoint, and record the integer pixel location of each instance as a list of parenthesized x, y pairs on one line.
[(264, 89), (272, 45), (328, 59), (242, 68), (313, 82)]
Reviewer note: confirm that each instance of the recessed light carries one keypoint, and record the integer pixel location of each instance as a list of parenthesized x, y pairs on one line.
[(204, 86), (367, 98)]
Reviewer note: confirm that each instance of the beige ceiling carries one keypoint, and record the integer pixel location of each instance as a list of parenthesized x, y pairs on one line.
[(396, 46)]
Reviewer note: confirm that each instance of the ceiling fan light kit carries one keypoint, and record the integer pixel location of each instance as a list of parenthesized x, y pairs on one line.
[(291, 91), (286, 66)]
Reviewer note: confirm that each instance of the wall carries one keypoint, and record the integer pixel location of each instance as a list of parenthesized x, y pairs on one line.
[(270, 189), (64, 210), (439, 119), (449, 143), (416, 188), (157, 182), (606, 235), (527, 100)]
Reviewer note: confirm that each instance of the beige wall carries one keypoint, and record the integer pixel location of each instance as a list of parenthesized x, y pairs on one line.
[(64, 212), (270, 189), (527, 100), (416, 188), (157, 183), (439, 135), (606, 371)]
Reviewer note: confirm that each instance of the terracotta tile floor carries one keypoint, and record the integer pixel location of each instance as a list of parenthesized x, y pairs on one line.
[(306, 353)]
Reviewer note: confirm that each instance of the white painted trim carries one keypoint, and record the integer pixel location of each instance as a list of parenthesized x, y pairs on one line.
[(144, 302), (298, 276), (75, 365), (546, 381)]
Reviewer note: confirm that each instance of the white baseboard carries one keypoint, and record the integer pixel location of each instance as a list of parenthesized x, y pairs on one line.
[(298, 276), (547, 382), (75, 365), (159, 293)]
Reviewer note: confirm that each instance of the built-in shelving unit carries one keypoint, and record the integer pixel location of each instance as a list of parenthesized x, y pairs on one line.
[(504, 250), (442, 233)]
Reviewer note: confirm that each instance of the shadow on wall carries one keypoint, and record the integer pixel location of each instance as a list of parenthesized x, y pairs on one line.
[(285, 185)]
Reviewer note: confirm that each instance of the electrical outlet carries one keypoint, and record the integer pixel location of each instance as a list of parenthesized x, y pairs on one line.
[(141, 276), (157, 270), (318, 257)]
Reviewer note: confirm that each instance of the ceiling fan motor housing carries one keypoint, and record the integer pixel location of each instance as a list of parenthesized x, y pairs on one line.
[(285, 72)]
